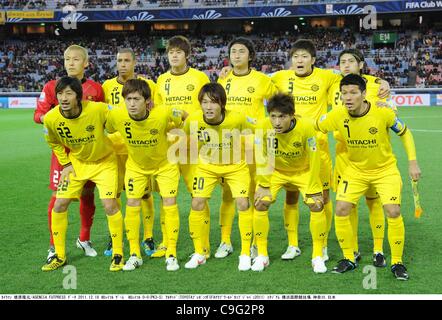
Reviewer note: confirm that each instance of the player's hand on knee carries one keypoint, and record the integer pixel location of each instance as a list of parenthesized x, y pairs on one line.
[(315, 203), (262, 194), (67, 171)]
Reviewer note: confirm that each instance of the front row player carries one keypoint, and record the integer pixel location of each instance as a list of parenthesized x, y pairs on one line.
[(372, 164), (289, 145), (144, 133), (218, 135), (79, 126)]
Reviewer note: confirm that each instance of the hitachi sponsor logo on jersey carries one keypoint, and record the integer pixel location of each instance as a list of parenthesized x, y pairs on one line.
[(143, 143), (305, 98), (239, 99), (365, 142), (81, 140), (283, 154), (179, 98)]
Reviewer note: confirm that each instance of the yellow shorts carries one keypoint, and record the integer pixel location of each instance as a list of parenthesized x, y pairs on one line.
[(325, 170), (207, 176), (294, 181), (252, 172), (187, 171), (138, 183), (355, 184), (340, 164), (103, 172)]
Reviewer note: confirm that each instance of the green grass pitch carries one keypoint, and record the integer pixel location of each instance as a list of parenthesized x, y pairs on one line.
[(24, 172)]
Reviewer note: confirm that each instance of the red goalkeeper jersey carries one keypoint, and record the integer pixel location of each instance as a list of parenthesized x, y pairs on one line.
[(91, 91)]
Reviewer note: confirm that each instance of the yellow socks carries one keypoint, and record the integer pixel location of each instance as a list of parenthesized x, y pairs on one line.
[(115, 223), (196, 221), (148, 217), (172, 224), (261, 230), (291, 221), (396, 238), (226, 216), (132, 223), (205, 236), (354, 224), (328, 209), (59, 228), (245, 221), (377, 223), (344, 234), (318, 226), (163, 226)]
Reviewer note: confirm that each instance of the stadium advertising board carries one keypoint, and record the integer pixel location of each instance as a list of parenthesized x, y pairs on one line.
[(411, 100), (439, 100), (22, 102), (3, 102), (211, 13)]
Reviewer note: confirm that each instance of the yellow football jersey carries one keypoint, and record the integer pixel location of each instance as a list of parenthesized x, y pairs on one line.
[(83, 135), (248, 93), (310, 93), (146, 140), (366, 137), (113, 91), (292, 150), (180, 91), (221, 143)]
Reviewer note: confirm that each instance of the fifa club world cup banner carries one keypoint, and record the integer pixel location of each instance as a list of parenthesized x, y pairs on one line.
[(70, 15)]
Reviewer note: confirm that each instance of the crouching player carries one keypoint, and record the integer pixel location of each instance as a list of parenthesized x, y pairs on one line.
[(290, 144), (79, 126)]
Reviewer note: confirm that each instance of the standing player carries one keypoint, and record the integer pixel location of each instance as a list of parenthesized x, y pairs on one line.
[(76, 59), (246, 90), (144, 132), (218, 135), (351, 61), (178, 88), (309, 86), (113, 88), (291, 142), (372, 164), (79, 126)]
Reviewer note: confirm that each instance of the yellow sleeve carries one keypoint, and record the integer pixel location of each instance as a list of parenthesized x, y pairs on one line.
[(158, 100), (326, 123), (153, 89), (271, 90), (333, 77), (109, 122), (55, 144), (408, 142), (175, 118)]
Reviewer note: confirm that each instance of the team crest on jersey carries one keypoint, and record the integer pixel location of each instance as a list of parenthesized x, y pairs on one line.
[(251, 89), (90, 128), (297, 144), (373, 130), (315, 87), (153, 131), (190, 87)]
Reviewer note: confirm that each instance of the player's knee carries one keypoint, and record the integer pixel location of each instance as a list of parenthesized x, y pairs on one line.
[(326, 196), (291, 197), (262, 205), (198, 204), (61, 205), (110, 206), (343, 209), (133, 202), (316, 207), (170, 201), (242, 203), (393, 210)]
